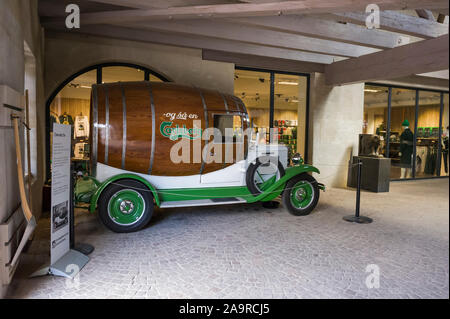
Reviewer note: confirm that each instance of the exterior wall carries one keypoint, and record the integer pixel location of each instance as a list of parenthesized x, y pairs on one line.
[(66, 54), (336, 118), (19, 23)]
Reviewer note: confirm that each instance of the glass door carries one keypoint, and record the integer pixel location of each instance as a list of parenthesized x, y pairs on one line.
[(253, 88), (289, 119), (444, 138), (401, 139), (427, 139)]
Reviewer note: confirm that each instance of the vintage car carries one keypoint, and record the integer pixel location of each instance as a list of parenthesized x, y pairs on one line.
[(167, 145)]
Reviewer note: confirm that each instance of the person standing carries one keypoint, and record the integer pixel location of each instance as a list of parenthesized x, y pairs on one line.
[(406, 150)]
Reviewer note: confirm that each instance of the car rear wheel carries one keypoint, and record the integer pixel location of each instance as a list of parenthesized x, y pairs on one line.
[(125, 206)]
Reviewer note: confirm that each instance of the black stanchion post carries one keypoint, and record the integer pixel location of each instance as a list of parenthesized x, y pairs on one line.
[(81, 247), (72, 210), (357, 218)]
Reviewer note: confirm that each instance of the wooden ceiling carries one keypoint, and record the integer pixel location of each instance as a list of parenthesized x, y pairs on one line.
[(326, 36)]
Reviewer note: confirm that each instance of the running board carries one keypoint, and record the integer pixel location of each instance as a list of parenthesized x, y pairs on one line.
[(203, 202)]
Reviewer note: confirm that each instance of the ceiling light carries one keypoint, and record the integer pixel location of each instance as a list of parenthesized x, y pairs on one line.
[(371, 90), (295, 101), (288, 83)]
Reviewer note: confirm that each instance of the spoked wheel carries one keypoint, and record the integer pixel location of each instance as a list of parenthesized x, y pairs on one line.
[(125, 206), (265, 172), (301, 195)]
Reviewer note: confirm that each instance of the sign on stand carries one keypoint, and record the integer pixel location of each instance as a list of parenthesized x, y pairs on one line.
[(64, 261), (60, 193)]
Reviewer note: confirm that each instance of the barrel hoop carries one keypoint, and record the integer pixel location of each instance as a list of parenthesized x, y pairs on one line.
[(95, 130), (152, 105), (106, 124), (124, 131), (205, 109), (224, 102), (224, 164), (244, 109), (237, 105)]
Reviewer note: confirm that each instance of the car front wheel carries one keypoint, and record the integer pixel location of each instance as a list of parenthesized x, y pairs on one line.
[(301, 195)]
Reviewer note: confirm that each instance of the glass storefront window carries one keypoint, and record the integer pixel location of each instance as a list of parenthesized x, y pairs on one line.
[(413, 147), (71, 105), (154, 78), (445, 136), (112, 74), (253, 88), (376, 114), (401, 140), (427, 139), (284, 102), (290, 111)]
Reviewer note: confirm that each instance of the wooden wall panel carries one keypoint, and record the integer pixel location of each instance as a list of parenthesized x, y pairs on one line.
[(73, 107)]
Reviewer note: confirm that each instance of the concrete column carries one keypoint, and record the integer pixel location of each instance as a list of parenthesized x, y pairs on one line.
[(336, 119)]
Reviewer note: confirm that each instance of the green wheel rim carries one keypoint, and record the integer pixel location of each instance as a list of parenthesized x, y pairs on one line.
[(302, 194), (126, 207)]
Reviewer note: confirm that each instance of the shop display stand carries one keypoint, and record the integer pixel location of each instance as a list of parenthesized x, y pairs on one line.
[(357, 218)]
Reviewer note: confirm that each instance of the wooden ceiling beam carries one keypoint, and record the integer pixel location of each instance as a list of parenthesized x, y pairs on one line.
[(325, 29), (247, 9), (398, 22), (197, 42), (255, 35), (260, 62), (425, 14), (160, 4), (410, 59)]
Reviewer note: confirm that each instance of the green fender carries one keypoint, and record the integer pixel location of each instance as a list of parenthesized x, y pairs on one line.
[(276, 189), (98, 192)]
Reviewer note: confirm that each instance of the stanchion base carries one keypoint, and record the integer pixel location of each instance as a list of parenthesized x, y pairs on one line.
[(359, 219), (83, 248), (67, 266)]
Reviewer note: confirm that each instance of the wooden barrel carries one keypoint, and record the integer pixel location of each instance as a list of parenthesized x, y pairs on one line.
[(133, 125)]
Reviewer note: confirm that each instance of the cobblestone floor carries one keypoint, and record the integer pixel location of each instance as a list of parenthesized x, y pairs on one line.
[(246, 251)]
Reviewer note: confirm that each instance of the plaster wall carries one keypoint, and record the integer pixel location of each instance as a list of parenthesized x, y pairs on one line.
[(66, 54), (336, 119), (19, 28)]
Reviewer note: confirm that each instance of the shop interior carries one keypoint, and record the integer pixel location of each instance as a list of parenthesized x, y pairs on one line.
[(285, 100), (429, 136)]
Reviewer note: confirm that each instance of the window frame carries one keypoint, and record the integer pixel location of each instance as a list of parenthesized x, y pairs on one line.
[(272, 73), (240, 114)]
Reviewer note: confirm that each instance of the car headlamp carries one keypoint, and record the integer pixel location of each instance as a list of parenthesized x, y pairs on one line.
[(297, 159)]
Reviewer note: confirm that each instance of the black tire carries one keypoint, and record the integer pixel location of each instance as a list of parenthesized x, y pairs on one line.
[(250, 175), (123, 185), (286, 196)]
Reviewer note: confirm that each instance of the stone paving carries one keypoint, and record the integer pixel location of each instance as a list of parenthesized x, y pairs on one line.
[(247, 251)]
